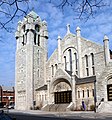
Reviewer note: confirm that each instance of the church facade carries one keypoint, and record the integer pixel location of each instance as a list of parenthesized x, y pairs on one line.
[(78, 70)]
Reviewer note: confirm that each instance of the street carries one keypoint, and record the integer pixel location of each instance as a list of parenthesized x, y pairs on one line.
[(35, 117), (26, 116)]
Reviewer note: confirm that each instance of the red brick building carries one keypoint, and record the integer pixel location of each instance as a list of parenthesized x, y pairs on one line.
[(7, 95)]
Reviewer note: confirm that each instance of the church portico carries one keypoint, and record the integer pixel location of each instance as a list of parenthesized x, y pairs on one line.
[(62, 93), (59, 89)]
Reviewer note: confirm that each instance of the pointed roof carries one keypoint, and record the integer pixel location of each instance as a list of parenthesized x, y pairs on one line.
[(68, 28), (44, 87), (33, 14), (105, 37), (59, 37), (78, 28)]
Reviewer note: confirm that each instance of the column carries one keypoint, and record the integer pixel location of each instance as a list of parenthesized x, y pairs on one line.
[(29, 72), (59, 50), (78, 36), (106, 49), (73, 91), (48, 92)]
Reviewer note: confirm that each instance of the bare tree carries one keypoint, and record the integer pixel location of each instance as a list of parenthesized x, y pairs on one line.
[(83, 9), (11, 9)]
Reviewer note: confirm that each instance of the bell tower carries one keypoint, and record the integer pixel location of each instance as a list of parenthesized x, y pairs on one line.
[(31, 57)]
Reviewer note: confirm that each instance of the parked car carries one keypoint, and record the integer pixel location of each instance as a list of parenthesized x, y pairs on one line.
[(11, 106)]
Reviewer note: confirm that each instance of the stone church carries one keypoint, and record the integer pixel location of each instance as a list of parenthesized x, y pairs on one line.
[(78, 70)]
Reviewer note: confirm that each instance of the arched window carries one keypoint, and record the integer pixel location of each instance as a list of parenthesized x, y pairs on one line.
[(37, 28), (86, 60), (37, 97), (76, 63), (45, 97), (40, 97), (52, 68), (93, 92), (92, 60), (38, 57), (93, 69), (24, 28), (87, 71), (86, 63), (56, 66), (92, 57), (38, 40), (35, 37), (23, 42), (76, 66), (78, 94), (38, 61), (83, 93), (87, 93), (70, 59), (38, 53), (38, 73), (65, 62), (26, 37)]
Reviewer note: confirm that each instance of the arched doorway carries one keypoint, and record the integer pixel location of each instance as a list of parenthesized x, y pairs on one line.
[(62, 91), (109, 89)]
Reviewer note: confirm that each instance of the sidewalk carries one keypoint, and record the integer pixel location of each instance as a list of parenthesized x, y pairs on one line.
[(69, 114)]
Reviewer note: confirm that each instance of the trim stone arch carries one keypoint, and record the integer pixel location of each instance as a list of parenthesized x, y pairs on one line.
[(58, 80), (109, 76), (106, 82), (60, 76)]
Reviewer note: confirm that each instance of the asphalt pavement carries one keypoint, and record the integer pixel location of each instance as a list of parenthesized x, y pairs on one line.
[(73, 115)]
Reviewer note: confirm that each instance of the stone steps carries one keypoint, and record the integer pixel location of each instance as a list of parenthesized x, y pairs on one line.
[(55, 107), (105, 107)]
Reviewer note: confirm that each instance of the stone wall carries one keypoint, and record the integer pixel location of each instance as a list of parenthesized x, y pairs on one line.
[(39, 66), (21, 78), (41, 98), (88, 100)]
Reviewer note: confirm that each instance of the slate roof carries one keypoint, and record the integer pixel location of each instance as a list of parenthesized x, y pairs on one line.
[(33, 14), (42, 88), (79, 81), (85, 80), (69, 72)]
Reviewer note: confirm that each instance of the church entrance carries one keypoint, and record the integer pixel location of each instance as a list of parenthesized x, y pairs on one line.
[(62, 93), (109, 92), (63, 97)]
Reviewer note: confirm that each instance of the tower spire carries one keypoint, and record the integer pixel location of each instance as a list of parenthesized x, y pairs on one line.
[(106, 49), (68, 28)]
